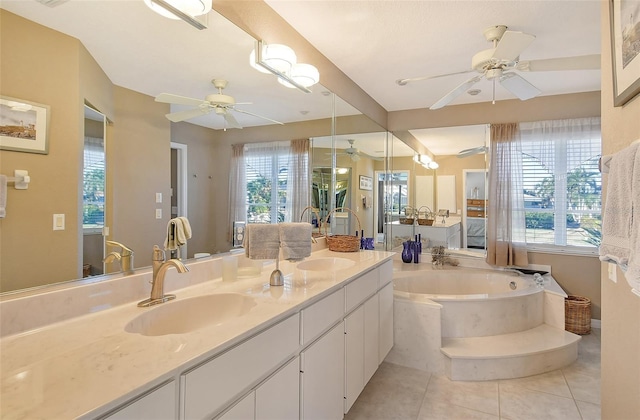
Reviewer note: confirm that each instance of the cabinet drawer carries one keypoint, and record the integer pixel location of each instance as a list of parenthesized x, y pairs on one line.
[(476, 202), (476, 213), (208, 388), (361, 288), (318, 317), (157, 404)]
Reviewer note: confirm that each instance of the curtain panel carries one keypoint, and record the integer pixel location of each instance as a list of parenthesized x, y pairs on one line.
[(506, 234)]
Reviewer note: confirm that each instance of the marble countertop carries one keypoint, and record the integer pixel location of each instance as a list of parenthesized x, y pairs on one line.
[(89, 364)]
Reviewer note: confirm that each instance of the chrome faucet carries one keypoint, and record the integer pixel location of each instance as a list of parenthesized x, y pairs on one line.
[(125, 256), (160, 267)]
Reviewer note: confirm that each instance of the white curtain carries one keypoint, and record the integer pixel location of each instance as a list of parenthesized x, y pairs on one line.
[(506, 234), (298, 179), (237, 189)]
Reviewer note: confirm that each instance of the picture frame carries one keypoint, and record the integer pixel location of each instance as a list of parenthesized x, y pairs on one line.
[(24, 126), (625, 54), (366, 183)]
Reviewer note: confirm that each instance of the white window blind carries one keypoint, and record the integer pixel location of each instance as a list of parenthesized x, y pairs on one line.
[(266, 168), (93, 188), (562, 183)]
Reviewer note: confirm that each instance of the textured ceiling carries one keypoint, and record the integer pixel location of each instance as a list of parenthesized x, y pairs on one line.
[(372, 42)]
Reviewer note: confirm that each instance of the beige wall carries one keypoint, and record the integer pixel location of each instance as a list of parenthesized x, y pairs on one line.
[(28, 224), (620, 308)]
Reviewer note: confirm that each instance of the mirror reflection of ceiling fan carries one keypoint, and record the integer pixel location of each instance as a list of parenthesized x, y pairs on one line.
[(354, 154), (219, 103), (502, 62)]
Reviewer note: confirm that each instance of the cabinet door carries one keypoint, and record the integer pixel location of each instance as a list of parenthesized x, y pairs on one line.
[(386, 321), (371, 337), (354, 356), (157, 404), (322, 377), (279, 396)]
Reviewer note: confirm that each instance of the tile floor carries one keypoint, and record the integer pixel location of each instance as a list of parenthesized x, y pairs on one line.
[(397, 392)]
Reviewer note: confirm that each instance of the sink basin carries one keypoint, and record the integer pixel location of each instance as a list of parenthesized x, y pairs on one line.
[(326, 264), (185, 315)]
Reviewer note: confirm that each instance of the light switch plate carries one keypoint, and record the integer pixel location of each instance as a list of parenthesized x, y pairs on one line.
[(158, 197), (158, 213), (613, 273), (58, 222)]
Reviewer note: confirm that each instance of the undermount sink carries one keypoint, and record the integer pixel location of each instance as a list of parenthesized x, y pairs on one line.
[(185, 315), (326, 264)]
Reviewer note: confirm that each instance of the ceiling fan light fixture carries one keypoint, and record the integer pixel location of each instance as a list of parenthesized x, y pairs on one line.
[(277, 56)]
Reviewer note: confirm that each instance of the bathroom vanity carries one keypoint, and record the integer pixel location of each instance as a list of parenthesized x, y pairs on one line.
[(303, 350), (445, 234)]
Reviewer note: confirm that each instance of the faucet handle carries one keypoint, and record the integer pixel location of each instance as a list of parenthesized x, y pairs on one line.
[(158, 254)]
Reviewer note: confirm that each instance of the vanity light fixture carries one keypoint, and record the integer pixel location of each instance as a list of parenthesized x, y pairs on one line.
[(181, 9), (425, 161), (281, 61)]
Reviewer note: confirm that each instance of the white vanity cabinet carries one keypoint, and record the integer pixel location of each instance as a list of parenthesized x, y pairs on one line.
[(208, 388), (160, 403)]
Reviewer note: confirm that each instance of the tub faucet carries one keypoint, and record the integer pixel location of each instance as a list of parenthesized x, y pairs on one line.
[(160, 267)]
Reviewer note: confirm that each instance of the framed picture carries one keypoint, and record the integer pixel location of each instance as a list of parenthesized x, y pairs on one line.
[(625, 49), (366, 183), (23, 126)]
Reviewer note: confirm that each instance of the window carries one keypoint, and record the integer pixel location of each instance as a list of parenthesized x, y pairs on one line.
[(269, 193), (93, 184), (562, 183), (396, 192)]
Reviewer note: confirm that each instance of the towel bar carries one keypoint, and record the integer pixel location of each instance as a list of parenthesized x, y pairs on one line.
[(20, 178)]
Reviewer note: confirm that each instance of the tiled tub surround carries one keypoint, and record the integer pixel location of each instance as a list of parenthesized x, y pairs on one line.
[(65, 354), (476, 335)]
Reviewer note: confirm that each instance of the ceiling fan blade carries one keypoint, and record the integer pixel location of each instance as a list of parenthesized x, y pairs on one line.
[(179, 100), (517, 85), (456, 92), (511, 45), (403, 82), (231, 120), (189, 113), (256, 115), (581, 62)]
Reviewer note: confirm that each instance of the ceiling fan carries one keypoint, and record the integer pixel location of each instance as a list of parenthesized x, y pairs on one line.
[(502, 62), (218, 102), (354, 154)]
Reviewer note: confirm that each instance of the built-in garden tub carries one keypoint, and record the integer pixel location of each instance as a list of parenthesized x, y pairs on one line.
[(436, 308)]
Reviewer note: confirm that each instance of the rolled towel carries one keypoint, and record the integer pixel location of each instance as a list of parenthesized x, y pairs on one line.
[(617, 215), (295, 240), (261, 241)]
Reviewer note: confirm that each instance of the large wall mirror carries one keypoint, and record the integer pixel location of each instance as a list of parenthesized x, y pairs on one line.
[(445, 203), (136, 203)]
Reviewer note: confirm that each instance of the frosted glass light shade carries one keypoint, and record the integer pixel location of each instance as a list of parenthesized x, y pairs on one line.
[(433, 165), (190, 7), (304, 74), (277, 56)]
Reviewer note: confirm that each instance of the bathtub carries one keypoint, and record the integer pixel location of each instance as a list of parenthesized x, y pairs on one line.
[(436, 304)]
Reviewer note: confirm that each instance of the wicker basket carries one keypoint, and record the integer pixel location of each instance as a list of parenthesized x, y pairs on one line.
[(342, 243), (577, 314), (409, 217), (314, 210), (428, 218)]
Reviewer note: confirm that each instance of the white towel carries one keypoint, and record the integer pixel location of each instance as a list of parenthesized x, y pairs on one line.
[(633, 272), (617, 215), (3, 196), (261, 241), (178, 231), (295, 240)]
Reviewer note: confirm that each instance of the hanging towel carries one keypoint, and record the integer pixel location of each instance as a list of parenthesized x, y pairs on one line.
[(617, 216), (295, 240), (178, 231), (633, 272), (261, 241), (3, 196)]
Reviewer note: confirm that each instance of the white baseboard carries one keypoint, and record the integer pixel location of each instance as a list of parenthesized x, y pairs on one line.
[(596, 323)]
